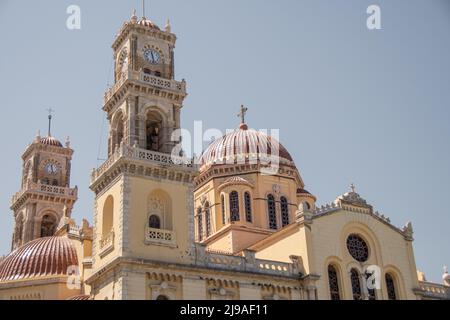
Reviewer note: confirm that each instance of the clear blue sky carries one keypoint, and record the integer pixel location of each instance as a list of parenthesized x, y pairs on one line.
[(353, 105)]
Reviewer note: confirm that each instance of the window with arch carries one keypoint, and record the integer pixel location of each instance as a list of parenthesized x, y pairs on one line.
[(284, 212), (108, 216), (159, 204), (356, 284), (199, 224), (224, 218), (46, 181), (271, 208), (153, 128), (234, 206), (118, 130), (162, 297), (154, 222), (248, 207), (48, 226), (371, 292), (55, 182), (357, 248), (390, 286), (208, 219), (333, 283)]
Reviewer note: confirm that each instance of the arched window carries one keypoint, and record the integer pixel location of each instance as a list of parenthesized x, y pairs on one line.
[(162, 297), (224, 219), (55, 182), (356, 284), (390, 285), (333, 283), (208, 219), (248, 207), (199, 224), (46, 181), (371, 292), (48, 226), (158, 74), (154, 222), (284, 212), (108, 216), (234, 206), (272, 212), (153, 128)]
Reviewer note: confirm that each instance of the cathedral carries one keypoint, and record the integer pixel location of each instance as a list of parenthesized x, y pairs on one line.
[(235, 224)]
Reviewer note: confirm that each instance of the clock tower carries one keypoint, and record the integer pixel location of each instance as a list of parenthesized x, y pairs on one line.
[(45, 195), (144, 190)]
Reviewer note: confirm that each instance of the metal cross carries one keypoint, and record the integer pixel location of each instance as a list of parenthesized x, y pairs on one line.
[(242, 113)]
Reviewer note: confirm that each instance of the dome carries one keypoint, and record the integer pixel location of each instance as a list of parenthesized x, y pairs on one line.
[(244, 146), (50, 141), (148, 23), (39, 258)]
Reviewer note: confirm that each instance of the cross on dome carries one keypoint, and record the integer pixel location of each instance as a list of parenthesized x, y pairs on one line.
[(242, 114)]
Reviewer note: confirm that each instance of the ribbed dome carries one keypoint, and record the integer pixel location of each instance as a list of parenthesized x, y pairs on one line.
[(50, 141), (148, 23), (39, 258), (244, 145)]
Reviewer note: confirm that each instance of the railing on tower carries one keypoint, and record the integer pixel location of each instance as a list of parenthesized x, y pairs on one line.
[(135, 153), (141, 76), (41, 187)]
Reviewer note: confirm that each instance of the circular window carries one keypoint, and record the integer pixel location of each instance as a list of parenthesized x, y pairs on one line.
[(357, 248)]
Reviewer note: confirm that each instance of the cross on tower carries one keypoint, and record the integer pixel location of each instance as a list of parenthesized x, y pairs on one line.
[(50, 113), (242, 113)]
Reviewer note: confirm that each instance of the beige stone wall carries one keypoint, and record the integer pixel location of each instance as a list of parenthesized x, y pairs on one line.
[(388, 250), (38, 289)]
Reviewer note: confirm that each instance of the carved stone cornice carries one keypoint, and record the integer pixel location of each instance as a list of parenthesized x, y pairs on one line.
[(142, 163)]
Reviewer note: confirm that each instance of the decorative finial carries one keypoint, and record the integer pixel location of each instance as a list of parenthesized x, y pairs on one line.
[(38, 135), (242, 114), (352, 188), (168, 27), (445, 269), (134, 17), (50, 112), (67, 142)]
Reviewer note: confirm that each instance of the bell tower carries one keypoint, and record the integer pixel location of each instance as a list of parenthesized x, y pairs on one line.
[(45, 195), (143, 106), (144, 190)]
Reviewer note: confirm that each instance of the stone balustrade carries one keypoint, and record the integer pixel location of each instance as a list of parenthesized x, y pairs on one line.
[(160, 237), (245, 263), (127, 152), (45, 188), (168, 84), (434, 290), (106, 243)]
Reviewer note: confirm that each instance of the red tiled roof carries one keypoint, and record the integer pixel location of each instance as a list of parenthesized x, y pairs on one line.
[(38, 258)]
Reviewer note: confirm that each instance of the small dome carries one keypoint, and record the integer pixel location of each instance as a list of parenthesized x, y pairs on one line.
[(148, 23), (50, 141), (244, 145), (39, 258)]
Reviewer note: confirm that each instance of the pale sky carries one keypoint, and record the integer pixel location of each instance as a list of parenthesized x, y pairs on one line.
[(352, 105)]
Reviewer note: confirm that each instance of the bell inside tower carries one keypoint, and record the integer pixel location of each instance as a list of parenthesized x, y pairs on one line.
[(153, 129)]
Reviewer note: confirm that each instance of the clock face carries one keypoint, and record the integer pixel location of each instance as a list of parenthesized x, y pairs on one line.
[(152, 56), (51, 168)]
